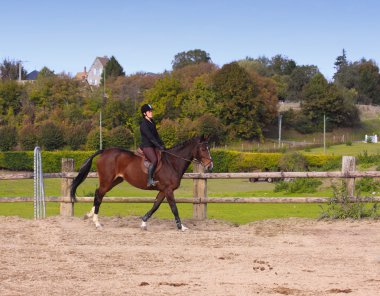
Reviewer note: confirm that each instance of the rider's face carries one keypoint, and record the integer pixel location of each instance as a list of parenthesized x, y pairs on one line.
[(149, 114)]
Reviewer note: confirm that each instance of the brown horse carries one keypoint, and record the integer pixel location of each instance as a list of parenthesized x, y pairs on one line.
[(116, 165)]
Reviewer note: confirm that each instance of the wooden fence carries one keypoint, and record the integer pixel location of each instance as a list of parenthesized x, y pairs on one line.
[(200, 199)]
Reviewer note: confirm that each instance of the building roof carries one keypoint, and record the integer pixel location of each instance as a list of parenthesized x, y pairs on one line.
[(32, 75), (103, 60)]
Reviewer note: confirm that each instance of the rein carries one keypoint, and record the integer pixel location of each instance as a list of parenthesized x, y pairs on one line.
[(185, 159)]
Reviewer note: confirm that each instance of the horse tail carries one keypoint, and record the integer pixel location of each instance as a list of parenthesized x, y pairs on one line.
[(82, 174)]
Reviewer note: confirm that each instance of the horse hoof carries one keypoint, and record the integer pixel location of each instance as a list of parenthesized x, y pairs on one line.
[(183, 227), (143, 225), (98, 226)]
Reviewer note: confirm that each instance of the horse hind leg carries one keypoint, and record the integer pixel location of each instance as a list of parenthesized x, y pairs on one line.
[(95, 209), (99, 194), (90, 214)]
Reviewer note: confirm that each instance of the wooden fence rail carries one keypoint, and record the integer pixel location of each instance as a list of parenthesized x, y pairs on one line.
[(200, 199)]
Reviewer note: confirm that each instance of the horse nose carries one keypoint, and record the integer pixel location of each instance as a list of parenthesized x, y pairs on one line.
[(210, 167)]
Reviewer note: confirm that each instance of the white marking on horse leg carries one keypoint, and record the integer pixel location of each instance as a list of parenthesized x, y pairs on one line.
[(143, 225), (183, 227), (89, 214), (96, 221)]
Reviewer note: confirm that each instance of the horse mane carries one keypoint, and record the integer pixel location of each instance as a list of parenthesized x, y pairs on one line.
[(184, 143)]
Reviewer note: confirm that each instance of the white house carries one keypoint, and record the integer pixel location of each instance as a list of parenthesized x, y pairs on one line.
[(94, 74)]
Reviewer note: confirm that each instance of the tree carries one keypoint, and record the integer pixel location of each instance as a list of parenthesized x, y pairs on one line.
[(166, 97), (113, 69), (368, 82), (282, 65), (9, 70), (45, 72), (341, 62), (300, 76), (117, 112), (200, 99), (260, 65), (322, 98), (188, 74), (190, 57), (11, 97), (346, 74), (240, 106)]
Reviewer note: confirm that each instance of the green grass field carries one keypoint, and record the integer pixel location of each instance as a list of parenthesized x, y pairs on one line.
[(344, 150), (235, 213)]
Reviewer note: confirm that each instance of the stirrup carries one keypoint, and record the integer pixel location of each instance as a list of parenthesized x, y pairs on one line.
[(152, 183)]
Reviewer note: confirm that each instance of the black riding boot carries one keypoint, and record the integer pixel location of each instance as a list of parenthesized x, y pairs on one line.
[(151, 170)]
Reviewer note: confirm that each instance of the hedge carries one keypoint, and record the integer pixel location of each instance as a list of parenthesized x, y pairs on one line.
[(224, 160), (51, 161)]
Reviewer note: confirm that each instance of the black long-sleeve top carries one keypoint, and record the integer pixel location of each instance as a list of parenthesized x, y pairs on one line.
[(149, 134)]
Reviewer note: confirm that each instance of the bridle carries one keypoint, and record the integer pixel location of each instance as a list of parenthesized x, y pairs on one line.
[(194, 159)]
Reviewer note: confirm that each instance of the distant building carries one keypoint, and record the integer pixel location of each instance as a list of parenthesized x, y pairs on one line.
[(82, 76), (94, 74), (32, 75)]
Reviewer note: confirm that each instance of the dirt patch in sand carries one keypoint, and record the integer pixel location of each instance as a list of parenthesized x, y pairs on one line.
[(68, 256)]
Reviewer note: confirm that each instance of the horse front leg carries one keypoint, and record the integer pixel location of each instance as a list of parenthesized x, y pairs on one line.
[(157, 202), (173, 207)]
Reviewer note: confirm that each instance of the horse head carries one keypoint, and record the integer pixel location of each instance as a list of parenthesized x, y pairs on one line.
[(203, 155)]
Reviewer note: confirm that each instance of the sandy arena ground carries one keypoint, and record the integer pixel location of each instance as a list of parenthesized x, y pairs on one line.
[(68, 256)]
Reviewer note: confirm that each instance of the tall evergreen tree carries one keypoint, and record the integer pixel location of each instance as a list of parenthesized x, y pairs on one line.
[(112, 69)]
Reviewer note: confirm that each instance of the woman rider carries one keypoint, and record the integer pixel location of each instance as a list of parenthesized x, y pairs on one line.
[(149, 141)]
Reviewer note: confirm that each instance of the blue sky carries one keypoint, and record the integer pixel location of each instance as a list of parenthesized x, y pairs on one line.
[(145, 35)]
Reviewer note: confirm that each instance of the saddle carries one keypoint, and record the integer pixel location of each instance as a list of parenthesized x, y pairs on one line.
[(145, 162)]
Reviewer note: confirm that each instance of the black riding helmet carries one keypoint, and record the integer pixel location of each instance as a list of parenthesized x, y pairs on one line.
[(145, 108)]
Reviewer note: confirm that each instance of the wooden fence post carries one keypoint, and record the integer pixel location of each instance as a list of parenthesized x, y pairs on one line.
[(349, 165), (67, 206), (199, 194)]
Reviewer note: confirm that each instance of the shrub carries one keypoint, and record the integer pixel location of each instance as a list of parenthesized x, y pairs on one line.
[(51, 161), (76, 136), (93, 139), (51, 136), (301, 185), (8, 138), (224, 161), (28, 137), (120, 137), (367, 184), (341, 206), (210, 125), (293, 162)]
